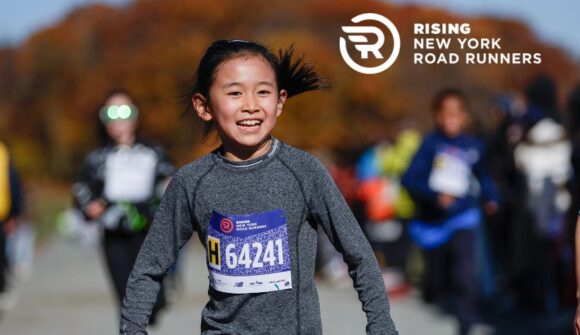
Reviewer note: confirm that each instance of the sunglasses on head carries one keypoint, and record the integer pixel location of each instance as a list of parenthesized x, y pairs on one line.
[(112, 113)]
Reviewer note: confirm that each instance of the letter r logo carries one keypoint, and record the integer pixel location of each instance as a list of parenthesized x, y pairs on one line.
[(359, 37)]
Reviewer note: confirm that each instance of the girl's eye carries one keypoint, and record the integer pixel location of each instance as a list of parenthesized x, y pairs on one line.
[(235, 93), (263, 92)]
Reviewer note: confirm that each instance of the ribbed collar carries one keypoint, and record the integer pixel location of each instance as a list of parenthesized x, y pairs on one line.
[(247, 164)]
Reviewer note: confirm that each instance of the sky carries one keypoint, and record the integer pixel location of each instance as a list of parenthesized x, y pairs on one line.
[(20, 18), (555, 21)]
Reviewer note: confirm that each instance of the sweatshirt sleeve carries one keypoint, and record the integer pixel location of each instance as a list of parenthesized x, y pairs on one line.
[(329, 209), (171, 229), (416, 178), (87, 187), (481, 172)]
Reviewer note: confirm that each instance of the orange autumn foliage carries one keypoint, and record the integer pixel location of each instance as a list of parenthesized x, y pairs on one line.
[(51, 83)]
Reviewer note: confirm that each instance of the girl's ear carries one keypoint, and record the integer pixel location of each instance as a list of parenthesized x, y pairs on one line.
[(282, 96), (201, 106)]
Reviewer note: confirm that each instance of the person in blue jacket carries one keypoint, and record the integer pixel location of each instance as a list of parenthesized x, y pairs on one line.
[(446, 179)]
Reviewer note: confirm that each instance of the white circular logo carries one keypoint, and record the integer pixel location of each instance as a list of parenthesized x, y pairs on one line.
[(358, 36)]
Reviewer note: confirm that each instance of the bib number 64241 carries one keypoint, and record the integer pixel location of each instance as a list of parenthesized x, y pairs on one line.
[(273, 253)]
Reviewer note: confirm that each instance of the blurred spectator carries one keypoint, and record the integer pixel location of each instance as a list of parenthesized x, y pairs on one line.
[(510, 233), (577, 256), (119, 186), (442, 181), (386, 205), (542, 100), (11, 207), (574, 130), (543, 156)]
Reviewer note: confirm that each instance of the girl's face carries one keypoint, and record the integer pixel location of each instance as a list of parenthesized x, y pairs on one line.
[(121, 131), (244, 103), (452, 116)]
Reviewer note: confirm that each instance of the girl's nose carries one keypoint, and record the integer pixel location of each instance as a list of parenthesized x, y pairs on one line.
[(250, 104)]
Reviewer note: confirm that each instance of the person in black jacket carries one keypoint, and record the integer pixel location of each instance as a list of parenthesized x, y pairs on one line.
[(119, 187)]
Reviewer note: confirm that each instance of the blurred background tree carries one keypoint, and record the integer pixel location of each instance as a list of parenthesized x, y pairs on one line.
[(51, 84)]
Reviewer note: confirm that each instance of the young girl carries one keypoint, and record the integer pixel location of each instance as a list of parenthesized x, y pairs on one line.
[(440, 179), (118, 187), (255, 204)]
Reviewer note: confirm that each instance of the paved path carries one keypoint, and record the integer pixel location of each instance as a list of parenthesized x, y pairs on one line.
[(69, 294)]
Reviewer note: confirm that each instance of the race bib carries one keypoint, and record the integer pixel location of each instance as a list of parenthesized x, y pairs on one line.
[(249, 253), (451, 173)]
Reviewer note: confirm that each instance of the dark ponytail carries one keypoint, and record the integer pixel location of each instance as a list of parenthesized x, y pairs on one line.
[(294, 76)]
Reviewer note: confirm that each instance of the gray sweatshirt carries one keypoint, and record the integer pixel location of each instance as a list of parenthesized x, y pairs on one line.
[(258, 221)]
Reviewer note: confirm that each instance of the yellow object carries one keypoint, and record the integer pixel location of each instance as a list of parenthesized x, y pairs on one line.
[(5, 198), (394, 161)]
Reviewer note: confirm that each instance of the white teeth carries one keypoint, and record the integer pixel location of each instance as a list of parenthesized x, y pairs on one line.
[(250, 122)]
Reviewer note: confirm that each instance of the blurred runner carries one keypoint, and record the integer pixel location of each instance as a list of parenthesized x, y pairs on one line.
[(11, 207), (543, 156), (577, 238), (442, 180), (509, 231), (119, 186), (574, 131), (387, 206), (574, 113)]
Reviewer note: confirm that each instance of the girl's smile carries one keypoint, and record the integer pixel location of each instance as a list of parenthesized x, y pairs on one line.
[(249, 125)]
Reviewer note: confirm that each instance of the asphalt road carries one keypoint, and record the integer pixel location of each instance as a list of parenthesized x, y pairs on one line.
[(69, 294)]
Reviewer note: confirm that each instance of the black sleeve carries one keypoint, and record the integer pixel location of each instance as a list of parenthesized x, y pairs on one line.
[(87, 186), (164, 167)]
